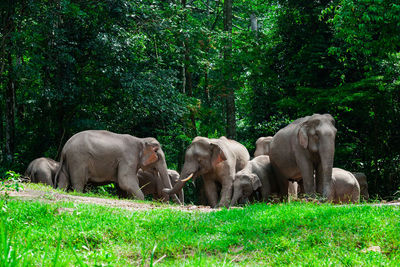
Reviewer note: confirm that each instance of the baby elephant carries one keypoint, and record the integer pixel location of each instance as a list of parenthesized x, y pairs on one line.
[(42, 170), (362, 181), (256, 176), (345, 186), (150, 183)]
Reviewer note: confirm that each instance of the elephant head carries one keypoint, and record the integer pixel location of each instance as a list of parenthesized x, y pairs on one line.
[(153, 158), (317, 134), (263, 146), (201, 157), (244, 185)]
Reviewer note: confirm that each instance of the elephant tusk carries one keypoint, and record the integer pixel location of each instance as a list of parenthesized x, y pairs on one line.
[(188, 178)]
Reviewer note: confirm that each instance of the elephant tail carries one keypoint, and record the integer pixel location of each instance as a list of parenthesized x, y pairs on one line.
[(61, 179), (28, 172)]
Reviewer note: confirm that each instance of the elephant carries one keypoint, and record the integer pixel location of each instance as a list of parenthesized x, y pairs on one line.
[(263, 146), (217, 161), (149, 182), (362, 181), (303, 147), (345, 186), (100, 157), (42, 170), (255, 176)]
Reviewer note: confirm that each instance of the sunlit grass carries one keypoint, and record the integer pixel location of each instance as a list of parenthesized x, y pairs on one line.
[(280, 234)]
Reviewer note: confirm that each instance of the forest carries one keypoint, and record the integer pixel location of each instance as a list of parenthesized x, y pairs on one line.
[(177, 69)]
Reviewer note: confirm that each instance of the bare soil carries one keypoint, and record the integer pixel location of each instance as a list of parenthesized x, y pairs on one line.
[(51, 197)]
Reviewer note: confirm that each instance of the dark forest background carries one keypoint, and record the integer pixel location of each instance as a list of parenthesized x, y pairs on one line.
[(178, 69)]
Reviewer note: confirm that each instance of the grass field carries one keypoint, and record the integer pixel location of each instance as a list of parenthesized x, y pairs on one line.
[(66, 233)]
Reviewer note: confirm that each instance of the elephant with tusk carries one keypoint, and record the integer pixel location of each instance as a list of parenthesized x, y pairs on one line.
[(217, 161)]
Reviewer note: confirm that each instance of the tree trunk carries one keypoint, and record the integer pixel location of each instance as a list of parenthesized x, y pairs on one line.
[(9, 96), (230, 93), (10, 111)]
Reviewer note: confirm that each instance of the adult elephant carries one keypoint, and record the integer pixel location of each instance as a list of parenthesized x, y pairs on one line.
[(101, 157), (42, 170), (305, 146), (217, 160), (263, 146)]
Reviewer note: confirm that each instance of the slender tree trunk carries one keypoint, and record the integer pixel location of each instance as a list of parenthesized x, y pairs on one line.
[(10, 111), (230, 92), (9, 96)]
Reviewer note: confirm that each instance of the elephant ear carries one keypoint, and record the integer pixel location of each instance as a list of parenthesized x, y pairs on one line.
[(255, 182), (150, 155), (267, 145), (302, 136), (217, 154)]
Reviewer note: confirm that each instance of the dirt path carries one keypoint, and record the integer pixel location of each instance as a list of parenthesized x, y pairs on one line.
[(51, 197)]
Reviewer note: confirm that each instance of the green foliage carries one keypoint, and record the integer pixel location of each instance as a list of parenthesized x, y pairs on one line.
[(156, 68)]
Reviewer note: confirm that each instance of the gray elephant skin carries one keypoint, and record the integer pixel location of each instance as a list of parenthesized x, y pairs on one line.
[(150, 183), (217, 161), (345, 186), (101, 157), (255, 176), (263, 146), (362, 181), (42, 170), (305, 146)]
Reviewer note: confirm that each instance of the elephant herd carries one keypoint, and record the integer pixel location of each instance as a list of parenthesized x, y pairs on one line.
[(297, 159)]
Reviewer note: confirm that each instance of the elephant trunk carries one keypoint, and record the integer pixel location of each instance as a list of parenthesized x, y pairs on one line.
[(236, 195), (327, 153), (185, 176), (163, 171)]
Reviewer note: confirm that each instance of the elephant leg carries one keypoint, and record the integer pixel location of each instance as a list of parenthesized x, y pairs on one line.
[(307, 174), (79, 178), (282, 182), (226, 194), (62, 181), (210, 189), (129, 182)]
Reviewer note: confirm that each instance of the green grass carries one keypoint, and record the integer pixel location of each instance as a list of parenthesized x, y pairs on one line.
[(66, 233)]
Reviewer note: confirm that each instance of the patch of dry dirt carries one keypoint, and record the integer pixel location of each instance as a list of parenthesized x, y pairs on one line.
[(51, 197)]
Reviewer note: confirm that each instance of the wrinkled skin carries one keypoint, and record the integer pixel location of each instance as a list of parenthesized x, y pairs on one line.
[(304, 147), (345, 186), (362, 181), (263, 146), (42, 170), (150, 183), (255, 176), (217, 161), (101, 157)]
